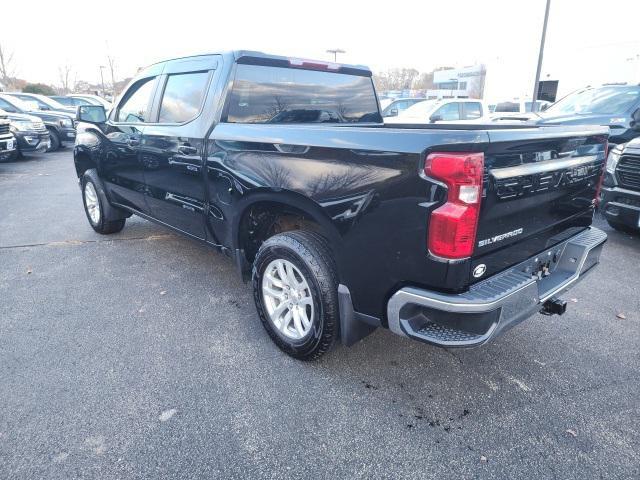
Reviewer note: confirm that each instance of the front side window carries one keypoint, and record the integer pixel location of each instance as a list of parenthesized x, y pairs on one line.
[(448, 112), (263, 94), (134, 108), (183, 97)]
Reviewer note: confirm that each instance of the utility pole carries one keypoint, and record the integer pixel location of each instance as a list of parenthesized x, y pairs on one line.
[(335, 52), (102, 80), (534, 105)]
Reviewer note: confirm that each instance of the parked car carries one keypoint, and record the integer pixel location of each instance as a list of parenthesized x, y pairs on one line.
[(59, 125), (398, 105), (444, 110), (517, 106), (616, 106), (71, 101), (94, 99), (46, 104), (8, 148), (430, 230), (620, 202), (30, 133)]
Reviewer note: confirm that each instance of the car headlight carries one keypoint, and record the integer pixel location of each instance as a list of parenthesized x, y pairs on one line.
[(612, 161), (22, 125), (66, 123)]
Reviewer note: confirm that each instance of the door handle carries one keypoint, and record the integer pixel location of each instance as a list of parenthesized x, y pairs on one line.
[(187, 150), (133, 142)]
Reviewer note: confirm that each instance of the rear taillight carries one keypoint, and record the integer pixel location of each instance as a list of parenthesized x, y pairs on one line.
[(453, 226)]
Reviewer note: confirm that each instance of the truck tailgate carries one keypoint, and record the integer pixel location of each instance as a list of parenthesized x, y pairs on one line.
[(540, 188)]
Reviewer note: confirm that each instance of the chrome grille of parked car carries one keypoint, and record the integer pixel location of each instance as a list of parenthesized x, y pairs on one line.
[(629, 171), (4, 128)]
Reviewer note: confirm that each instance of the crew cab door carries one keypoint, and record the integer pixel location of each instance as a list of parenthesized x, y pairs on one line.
[(122, 168), (173, 146)]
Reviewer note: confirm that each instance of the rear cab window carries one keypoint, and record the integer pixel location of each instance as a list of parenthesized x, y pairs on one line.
[(266, 94), (507, 107)]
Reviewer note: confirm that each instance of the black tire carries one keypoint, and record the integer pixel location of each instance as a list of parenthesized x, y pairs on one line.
[(103, 224), (310, 254), (54, 141)]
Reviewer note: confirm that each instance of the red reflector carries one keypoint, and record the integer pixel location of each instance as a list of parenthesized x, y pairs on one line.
[(453, 226), (313, 65)]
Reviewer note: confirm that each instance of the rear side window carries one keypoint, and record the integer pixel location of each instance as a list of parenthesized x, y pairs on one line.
[(507, 107), (135, 107), (472, 110), (183, 97), (264, 94)]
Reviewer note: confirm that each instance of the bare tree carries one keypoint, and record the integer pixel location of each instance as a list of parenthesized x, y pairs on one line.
[(6, 65), (396, 79), (65, 72), (112, 69)]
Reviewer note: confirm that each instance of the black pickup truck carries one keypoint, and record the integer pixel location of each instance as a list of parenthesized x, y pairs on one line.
[(621, 187), (445, 233)]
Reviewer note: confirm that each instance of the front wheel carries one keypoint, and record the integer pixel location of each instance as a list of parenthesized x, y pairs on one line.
[(54, 141), (94, 201), (295, 288)]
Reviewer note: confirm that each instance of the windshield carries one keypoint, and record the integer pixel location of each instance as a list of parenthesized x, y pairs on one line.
[(50, 101), (420, 109), (603, 100), (20, 104)]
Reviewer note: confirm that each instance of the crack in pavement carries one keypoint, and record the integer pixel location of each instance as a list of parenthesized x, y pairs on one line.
[(65, 243)]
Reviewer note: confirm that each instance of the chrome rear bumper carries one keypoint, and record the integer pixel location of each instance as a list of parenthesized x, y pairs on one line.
[(490, 307)]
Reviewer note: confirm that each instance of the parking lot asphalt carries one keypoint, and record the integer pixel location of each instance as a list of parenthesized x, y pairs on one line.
[(140, 355)]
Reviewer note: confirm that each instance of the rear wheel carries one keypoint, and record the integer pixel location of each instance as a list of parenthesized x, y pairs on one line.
[(95, 201), (295, 288)]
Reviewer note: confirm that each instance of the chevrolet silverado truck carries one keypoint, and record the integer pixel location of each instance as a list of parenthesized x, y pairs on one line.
[(620, 203), (448, 234)]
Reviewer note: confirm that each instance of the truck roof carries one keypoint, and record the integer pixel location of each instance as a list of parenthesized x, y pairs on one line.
[(252, 57)]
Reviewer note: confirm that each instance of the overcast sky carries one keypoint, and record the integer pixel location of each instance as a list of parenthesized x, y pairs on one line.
[(588, 41)]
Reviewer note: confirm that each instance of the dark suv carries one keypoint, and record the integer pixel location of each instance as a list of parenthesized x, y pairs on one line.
[(621, 187), (60, 125)]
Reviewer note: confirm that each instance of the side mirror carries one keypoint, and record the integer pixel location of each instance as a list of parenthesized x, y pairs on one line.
[(91, 114), (393, 112), (435, 118)]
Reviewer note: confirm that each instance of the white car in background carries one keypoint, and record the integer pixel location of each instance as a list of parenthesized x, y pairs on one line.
[(443, 110), (516, 107)]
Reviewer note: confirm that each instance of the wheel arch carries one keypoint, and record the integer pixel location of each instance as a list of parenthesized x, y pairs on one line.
[(272, 206)]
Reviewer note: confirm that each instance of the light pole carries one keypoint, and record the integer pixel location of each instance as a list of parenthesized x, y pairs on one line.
[(102, 79), (534, 105), (335, 52)]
